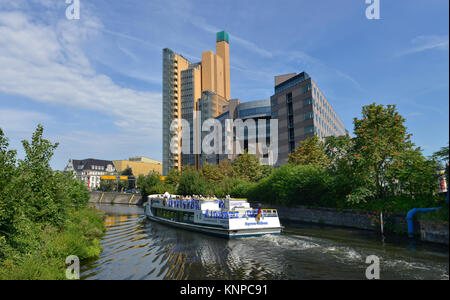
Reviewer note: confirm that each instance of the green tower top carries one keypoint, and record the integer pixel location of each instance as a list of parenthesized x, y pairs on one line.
[(222, 36)]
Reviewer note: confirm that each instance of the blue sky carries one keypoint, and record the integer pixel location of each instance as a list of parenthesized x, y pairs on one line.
[(95, 83)]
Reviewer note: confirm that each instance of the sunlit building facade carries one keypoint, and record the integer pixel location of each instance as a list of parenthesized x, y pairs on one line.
[(302, 111), (183, 85)]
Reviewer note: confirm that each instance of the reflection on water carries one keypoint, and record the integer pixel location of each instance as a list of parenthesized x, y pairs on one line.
[(135, 248)]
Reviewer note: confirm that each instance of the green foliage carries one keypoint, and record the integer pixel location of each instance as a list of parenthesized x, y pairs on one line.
[(400, 203), (212, 173), (337, 149), (173, 178), (108, 185), (242, 189), (226, 187), (46, 260), (43, 214), (147, 183), (247, 167), (310, 151), (292, 185), (437, 215), (380, 162), (151, 184), (381, 137), (379, 170), (193, 183), (127, 184), (442, 159)]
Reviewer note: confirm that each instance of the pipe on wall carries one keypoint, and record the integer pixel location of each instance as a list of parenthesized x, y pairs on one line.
[(410, 218)]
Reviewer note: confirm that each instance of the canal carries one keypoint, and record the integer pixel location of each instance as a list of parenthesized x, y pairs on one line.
[(136, 248)]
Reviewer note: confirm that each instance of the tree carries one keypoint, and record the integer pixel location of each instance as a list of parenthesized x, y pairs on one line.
[(107, 185), (442, 158), (226, 168), (7, 173), (36, 179), (310, 151), (127, 184), (173, 178), (247, 167), (192, 183), (411, 173), (442, 154), (337, 149), (147, 183), (381, 137), (212, 173)]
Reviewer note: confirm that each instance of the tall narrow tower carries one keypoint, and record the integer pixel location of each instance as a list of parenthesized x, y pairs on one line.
[(183, 86), (223, 51)]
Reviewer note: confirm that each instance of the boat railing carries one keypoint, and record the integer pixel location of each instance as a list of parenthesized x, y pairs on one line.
[(239, 214), (189, 203)]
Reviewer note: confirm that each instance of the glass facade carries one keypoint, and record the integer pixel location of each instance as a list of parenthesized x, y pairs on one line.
[(291, 82), (254, 111), (169, 103), (304, 111)]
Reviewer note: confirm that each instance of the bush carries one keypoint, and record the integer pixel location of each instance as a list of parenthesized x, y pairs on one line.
[(192, 183), (242, 189), (293, 185), (46, 260), (43, 214), (227, 187), (147, 183)]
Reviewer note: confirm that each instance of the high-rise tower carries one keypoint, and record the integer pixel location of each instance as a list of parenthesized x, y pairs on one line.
[(223, 51), (183, 85)]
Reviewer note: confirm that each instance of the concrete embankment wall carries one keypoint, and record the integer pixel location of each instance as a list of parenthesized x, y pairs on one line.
[(393, 223), (115, 198)]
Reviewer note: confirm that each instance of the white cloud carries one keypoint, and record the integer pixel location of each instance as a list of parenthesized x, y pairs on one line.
[(21, 121), (46, 63), (427, 42)]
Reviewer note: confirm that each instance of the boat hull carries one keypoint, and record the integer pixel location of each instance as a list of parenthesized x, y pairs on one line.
[(216, 231)]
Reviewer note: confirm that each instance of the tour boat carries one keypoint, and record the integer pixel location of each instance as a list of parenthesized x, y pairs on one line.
[(228, 218)]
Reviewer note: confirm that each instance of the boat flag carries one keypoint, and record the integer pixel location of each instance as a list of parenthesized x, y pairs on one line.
[(258, 215)]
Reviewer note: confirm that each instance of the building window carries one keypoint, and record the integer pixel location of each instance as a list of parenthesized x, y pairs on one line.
[(275, 114), (308, 115), (288, 97), (291, 147), (309, 129), (306, 88), (290, 109), (307, 102)]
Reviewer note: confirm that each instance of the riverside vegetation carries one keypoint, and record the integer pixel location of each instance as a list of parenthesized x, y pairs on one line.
[(44, 214), (378, 170)]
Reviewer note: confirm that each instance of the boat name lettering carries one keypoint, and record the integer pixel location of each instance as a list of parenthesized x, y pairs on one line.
[(251, 224)]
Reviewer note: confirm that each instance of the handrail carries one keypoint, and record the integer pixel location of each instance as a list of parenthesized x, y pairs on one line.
[(238, 214), (225, 214)]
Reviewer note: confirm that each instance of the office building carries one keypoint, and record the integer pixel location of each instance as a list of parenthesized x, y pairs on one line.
[(244, 111), (302, 111), (183, 85), (138, 165)]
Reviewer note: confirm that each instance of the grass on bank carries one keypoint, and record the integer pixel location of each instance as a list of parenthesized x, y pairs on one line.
[(79, 236)]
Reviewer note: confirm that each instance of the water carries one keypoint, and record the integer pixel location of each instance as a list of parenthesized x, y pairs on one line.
[(136, 248)]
